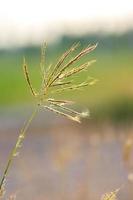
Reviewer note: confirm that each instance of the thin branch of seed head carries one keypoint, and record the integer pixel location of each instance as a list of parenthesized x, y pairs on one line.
[(45, 80), (75, 118), (42, 64), (76, 70), (76, 58), (61, 60), (71, 111), (61, 83), (81, 54), (61, 102), (73, 87), (93, 82), (49, 68), (27, 77)]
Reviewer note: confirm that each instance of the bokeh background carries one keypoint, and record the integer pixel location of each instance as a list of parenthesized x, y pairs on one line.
[(60, 159)]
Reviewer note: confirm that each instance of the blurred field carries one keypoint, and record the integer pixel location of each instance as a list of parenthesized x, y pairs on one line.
[(61, 159), (111, 97)]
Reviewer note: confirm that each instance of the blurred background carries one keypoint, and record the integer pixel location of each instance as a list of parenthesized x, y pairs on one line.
[(60, 159)]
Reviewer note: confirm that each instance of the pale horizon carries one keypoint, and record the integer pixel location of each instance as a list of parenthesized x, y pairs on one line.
[(30, 22)]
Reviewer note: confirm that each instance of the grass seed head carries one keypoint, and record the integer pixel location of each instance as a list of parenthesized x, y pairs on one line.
[(54, 80)]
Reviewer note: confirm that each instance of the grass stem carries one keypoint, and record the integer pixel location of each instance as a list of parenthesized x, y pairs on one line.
[(16, 147)]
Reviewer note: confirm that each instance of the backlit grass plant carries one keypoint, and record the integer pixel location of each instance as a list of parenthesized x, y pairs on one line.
[(54, 79)]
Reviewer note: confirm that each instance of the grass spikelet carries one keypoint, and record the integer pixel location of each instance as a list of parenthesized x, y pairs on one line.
[(76, 58), (42, 63), (70, 113), (61, 60), (61, 102), (111, 195), (43, 52), (27, 77), (78, 86), (85, 114), (77, 69), (65, 108), (74, 118), (61, 83), (81, 54), (93, 82)]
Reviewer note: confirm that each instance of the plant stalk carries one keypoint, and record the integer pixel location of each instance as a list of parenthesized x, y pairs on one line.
[(16, 147)]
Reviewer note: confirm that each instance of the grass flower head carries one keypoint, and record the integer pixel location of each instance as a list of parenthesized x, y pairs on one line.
[(58, 79)]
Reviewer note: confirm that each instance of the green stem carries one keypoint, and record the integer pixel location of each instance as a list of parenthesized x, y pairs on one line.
[(16, 147)]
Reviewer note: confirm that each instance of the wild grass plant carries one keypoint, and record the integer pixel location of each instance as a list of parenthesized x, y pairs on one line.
[(55, 79)]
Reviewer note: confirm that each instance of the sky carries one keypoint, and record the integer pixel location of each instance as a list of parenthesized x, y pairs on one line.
[(31, 21)]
